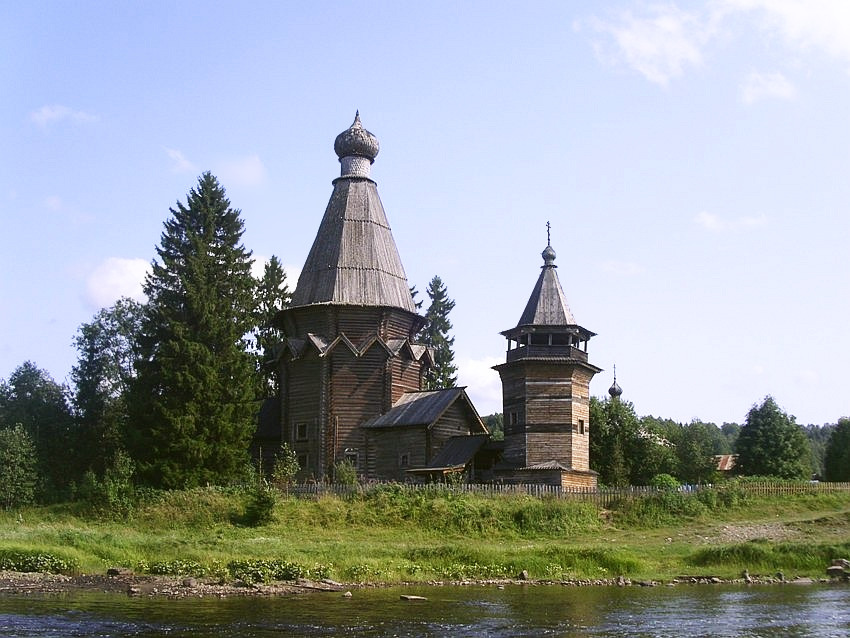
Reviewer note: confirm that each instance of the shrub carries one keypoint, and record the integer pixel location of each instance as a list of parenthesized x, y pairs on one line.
[(260, 508), (34, 561)]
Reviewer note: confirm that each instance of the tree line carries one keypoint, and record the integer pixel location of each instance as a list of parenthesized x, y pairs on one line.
[(166, 393), (626, 449)]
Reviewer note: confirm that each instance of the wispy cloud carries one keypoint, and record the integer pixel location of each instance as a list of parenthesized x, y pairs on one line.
[(758, 86), (114, 278), (715, 223), (179, 163), (53, 114), (813, 24), (660, 45), (242, 171)]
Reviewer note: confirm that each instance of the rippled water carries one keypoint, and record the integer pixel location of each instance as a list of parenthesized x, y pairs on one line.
[(756, 611)]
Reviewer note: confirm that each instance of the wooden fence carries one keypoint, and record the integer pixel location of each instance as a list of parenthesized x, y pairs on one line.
[(601, 497)]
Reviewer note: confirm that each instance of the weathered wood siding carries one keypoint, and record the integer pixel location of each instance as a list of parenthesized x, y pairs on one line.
[(546, 412), (386, 447), (454, 422), (356, 394)]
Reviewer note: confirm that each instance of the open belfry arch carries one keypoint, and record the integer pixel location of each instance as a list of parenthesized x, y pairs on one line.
[(546, 390)]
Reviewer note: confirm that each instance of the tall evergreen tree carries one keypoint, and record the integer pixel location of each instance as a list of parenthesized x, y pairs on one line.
[(34, 400), (772, 444), (273, 295), (105, 366), (837, 458), (436, 335), (192, 401)]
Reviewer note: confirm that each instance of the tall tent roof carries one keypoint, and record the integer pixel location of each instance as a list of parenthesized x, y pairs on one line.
[(354, 259), (547, 305)]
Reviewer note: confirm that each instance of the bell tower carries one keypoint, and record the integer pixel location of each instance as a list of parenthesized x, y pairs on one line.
[(546, 384)]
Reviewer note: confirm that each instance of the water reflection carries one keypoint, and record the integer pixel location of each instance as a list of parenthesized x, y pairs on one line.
[(752, 612)]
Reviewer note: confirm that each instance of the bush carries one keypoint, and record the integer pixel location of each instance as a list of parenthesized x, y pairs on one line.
[(260, 508), (345, 473), (112, 496), (665, 482), (35, 562)]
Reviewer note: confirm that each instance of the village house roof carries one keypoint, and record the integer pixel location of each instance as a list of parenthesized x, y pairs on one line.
[(422, 408), (354, 259)]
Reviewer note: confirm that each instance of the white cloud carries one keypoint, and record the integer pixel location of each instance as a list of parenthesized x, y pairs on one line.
[(179, 162), (243, 171), (114, 278), (47, 115), (816, 24), (766, 85), (715, 223), (659, 46), (482, 383)]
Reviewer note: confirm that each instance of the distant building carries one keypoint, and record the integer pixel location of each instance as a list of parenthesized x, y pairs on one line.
[(352, 372)]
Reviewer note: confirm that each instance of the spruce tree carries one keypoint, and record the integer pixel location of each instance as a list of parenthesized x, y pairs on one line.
[(837, 461), (192, 401), (436, 335), (273, 295)]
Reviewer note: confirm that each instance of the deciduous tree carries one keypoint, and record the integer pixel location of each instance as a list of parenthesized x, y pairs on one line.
[(33, 399), (105, 366), (772, 444), (18, 473), (192, 402)]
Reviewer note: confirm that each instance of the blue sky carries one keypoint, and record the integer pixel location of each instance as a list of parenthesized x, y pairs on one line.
[(693, 159)]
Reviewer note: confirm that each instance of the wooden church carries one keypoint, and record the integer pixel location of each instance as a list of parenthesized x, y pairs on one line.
[(352, 372)]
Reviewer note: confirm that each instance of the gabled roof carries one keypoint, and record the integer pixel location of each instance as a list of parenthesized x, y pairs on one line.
[(354, 259), (547, 305), (422, 408)]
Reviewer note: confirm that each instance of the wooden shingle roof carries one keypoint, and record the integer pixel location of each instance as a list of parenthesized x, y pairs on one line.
[(354, 259), (421, 408), (547, 305)]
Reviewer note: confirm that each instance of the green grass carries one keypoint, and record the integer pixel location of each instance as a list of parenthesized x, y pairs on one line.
[(396, 535)]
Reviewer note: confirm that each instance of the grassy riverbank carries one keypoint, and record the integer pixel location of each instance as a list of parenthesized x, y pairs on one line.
[(390, 534)]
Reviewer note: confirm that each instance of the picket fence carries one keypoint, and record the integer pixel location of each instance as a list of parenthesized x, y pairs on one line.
[(601, 497)]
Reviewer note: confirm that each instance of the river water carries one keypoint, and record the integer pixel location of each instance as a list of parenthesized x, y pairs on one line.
[(682, 611)]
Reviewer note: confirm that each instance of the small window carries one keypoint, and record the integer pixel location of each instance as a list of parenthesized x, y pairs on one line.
[(352, 456), (513, 418), (303, 461), (301, 432), (581, 426), (404, 460)]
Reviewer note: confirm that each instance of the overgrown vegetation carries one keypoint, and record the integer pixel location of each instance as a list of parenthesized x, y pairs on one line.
[(392, 533)]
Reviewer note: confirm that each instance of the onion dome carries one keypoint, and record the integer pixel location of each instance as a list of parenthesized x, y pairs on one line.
[(615, 390), (356, 141), (548, 255)]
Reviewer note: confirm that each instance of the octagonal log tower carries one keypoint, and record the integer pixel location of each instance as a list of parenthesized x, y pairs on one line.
[(546, 390)]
